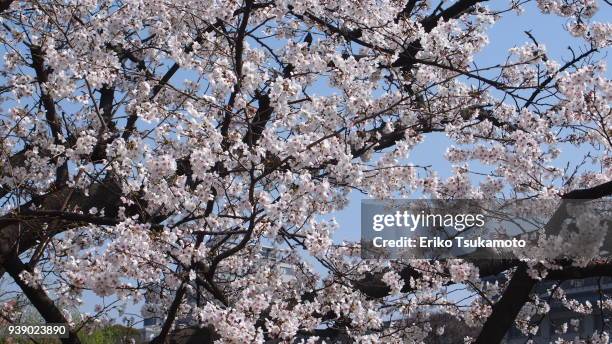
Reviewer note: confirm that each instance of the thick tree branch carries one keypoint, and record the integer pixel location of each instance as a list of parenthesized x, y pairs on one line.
[(599, 191), (507, 308), (454, 11), (4, 5), (171, 316), (261, 118)]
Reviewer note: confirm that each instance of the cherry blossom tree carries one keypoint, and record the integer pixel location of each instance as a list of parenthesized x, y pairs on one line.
[(149, 148)]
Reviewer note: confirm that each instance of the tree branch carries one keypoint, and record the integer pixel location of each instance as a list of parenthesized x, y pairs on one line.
[(507, 308), (4, 5), (42, 77), (39, 298)]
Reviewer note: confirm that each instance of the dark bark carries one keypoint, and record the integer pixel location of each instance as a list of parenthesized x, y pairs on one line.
[(595, 192), (261, 118), (454, 11), (507, 308), (5, 4), (171, 316)]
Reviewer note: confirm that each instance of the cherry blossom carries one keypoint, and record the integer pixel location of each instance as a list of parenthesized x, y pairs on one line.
[(151, 149)]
